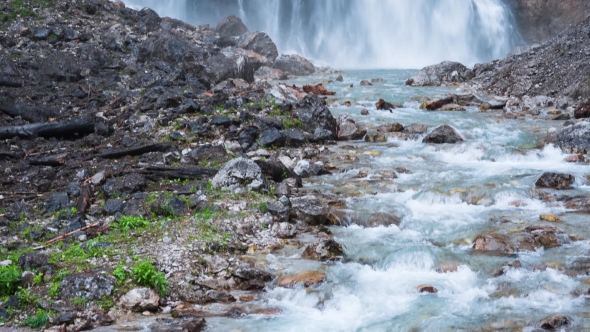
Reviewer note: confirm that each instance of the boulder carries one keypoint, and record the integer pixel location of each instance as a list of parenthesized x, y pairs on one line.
[(208, 152), (240, 173), (316, 118), (284, 230), (318, 90), (294, 65), (140, 300), (365, 83), (295, 137), (575, 138), (582, 111), (444, 73), (306, 278), (579, 204), (259, 42), (375, 137), (426, 289), (436, 104), (385, 105), (248, 136), (530, 239), (554, 322), (232, 62), (127, 184), (323, 250), (493, 243), (268, 73), (92, 286), (32, 260), (231, 26), (349, 130), (310, 210), (271, 137), (391, 128), (252, 278), (443, 134), (556, 181), (219, 296), (383, 219)]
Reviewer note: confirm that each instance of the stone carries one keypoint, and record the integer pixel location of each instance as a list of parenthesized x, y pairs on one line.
[(57, 201), (231, 26), (92, 286), (294, 65), (349, 130), (415, 129), (112, 206), (259, 42), (375, 137), (493, 243), (219, 296), (383, 219), (310, 210), (315, 117), (233, 62), (98, 178), (306, 278), (271, 137), (140, 299), (284, 230), (557, 181), (365, 112), (240, 173), (40, 33), (365, 83), (33, 260), (575, 138), (426, 289), (252, 278), (390, 128), (549, 218), (554, 322), (318, 90), (278, 211), (221, 121), (385, 105), (444, 73), (339, 78), (323, 250), (582, 111), (268, 73), (295, 137), (127, 184), (443, 134), (248, 136)]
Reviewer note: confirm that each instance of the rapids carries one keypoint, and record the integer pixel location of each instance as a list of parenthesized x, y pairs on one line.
[(366, 33), (374, 288)]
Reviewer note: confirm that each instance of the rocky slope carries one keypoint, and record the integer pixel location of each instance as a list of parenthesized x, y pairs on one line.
[(140, 151)]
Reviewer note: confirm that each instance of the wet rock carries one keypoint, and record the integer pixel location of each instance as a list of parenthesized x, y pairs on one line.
[(545, 236), (383, 219), (56, 202), (318, 90), (284, 230), (555, 181), (579, 203), (316, 117), (549, 218), (415, 129), (112, 206), (231, 26), (219, 296), (365, 83), (323, 250), (87, 285), (582, 111), (259, 42), (252, 278), (426, 289), (493, 243), (307, 278), (33, 260), (391, 128), (375, 137), (127, 184), (240, 173), (436, 104), (140, 300), (384, 105), (365, 112), (554, 322), (189, 323), (575, 139), (271, 137), (349, 130), (310, 210), (294, 65), (268, 73), (443, 134), (444, 73)]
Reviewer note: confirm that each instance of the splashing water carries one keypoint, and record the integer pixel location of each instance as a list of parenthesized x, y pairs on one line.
[(366, 33)]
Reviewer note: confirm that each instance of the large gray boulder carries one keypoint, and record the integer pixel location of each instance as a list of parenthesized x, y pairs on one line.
[(231, 26), (232, 62), (294, 64), (444, 73), (91, 286), (443, 134), (140, 300), (575, 138), (267, 73), (310, 210), (240, 173), (259, 42), (316, 117)]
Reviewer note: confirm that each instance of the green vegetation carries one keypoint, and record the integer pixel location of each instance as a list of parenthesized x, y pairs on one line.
[(39, 320), (132, 222), (144, 273), (9, 279), (292, 124)]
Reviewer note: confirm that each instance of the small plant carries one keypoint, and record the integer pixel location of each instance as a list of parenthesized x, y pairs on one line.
[(38, 279), (9, 278), (80, 301), (120, 274), (38, 321), (53, 289), (132, 222), (144, 273), (292, 123), (263, 207), (25, 296), (105, 303)]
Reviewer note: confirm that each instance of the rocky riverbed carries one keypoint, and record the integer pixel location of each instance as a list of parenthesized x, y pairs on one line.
[(156, 176)]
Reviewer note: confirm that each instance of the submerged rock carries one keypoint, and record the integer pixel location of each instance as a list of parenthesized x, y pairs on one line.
[(554, 322), (307, 278), (323, 250), (555, 181), (443, 134)]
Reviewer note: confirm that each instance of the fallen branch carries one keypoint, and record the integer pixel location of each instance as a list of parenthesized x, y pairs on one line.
[(137, 151), (71, 128), (55, 160), (28, 113), (61, 237)]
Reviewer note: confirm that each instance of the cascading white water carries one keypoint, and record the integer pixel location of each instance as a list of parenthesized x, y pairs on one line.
[(366, 33)]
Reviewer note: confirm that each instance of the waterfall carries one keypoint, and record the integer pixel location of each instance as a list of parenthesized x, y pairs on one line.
[(366, 33)]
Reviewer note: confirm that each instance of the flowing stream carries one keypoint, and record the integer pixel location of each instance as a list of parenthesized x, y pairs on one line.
[(366, 33), (374, 288)]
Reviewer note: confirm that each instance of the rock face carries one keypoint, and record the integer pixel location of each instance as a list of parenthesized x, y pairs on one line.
[(87, 285), (545, 70), (443, 134), (555, 181), (259, 42), (444, 73), (323, 250), (240, 172), (307, 278), (575, 138), (316, 118), (140, 299), (294, 65)]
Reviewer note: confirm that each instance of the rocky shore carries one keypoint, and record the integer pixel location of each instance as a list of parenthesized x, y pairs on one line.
[(144, 160)]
